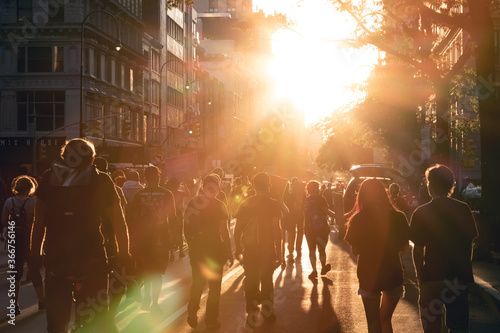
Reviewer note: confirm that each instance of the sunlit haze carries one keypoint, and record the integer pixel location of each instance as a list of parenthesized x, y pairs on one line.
[(310, 68)]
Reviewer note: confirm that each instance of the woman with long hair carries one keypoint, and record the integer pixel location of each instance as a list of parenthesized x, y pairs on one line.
[(377, 233)]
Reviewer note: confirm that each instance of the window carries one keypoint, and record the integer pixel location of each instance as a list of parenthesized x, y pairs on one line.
[(130, 85), (137, 82), (42, 59), (175, 98), (109, 70), (118, 74), (86, 61), (174, 30), (174, 64), (25, 10), (156, 93), (48, 106), (147, 97), (98, 68), (156, 61)]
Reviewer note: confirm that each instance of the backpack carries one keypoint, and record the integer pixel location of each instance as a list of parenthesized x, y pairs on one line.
[(74, 244), (19, 216)]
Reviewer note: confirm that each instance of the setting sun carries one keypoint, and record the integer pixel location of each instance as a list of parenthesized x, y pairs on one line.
[(310, 67)]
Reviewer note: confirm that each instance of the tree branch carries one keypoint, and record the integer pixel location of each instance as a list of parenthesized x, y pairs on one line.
[(459, 21)]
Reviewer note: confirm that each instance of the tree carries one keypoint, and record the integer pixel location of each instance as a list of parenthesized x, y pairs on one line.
[(413, 22), (348, 141)]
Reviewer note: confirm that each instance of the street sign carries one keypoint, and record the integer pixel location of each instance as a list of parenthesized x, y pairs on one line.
[(159, 157)]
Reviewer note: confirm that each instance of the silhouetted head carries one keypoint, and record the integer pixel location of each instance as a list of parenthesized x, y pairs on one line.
[(372, 196), (173, 184), (219, 172), (101, 164), (118, 173), (211, 185), (261, 182), (78, 153), (394, 189), (24, 185), (440, 180), (132, 174), (152, 175), (237, 181), (312, 187)]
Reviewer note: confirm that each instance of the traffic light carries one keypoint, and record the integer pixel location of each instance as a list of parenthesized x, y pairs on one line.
[(97, 128), (190, 128), (42, 151), (196, 129), (126, 128), (83, 130)]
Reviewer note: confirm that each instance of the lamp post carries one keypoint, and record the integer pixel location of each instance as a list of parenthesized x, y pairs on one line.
[(118, 47), (161, 86)]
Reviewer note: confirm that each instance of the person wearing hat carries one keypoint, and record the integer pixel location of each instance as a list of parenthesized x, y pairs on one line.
[(207, 235), (257, 236)]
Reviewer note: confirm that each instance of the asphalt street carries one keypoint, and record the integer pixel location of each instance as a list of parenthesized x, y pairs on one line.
[(328, 304)]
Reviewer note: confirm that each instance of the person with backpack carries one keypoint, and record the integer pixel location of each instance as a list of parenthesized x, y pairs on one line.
[(257, 236), (316, 227), (74, 202), (17, 220)]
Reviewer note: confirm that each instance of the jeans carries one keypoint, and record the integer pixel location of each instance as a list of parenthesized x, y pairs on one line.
[(258, 283), (203, 272), (444, 298), (91, 296)]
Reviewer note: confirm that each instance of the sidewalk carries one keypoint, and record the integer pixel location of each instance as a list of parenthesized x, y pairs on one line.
[(487, 277)]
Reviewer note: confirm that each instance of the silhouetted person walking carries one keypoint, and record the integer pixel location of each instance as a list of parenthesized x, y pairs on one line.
[(317, 229), (293, 221), (377, 233), (443, 231), (207, 235), (257, 236), (17, 220), (151, 212), (74, 200), (176, 227)]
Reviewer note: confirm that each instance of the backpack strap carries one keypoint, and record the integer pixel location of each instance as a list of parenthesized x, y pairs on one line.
[(14, 204), (24, 203)]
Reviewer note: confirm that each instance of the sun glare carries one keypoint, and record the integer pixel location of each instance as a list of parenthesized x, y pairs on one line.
[(310, 68)]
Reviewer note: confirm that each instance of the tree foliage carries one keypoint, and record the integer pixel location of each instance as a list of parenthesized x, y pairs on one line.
[(414, 70)]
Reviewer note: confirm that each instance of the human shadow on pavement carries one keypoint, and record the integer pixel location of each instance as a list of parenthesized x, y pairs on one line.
[(322, 313)]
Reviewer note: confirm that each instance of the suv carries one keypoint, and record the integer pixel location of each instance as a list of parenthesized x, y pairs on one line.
[(361, 172)]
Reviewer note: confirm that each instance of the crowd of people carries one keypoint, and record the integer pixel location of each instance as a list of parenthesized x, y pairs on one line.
[(101, 236)]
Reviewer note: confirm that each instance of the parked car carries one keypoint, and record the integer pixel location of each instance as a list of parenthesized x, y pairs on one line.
[(361, 172)]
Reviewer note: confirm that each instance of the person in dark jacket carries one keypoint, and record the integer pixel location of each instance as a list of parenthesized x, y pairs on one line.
[(257, 236), (443, 231), (207, 235), (74, 200)]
